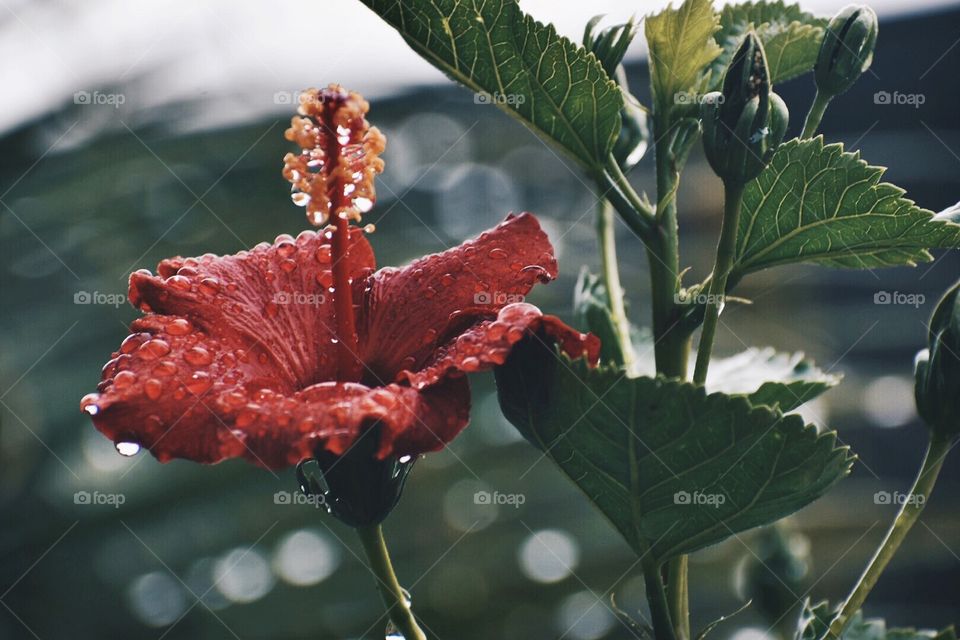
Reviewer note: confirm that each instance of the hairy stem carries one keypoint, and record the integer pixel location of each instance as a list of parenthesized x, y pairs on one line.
[(611, 280), (396, 602), (726, 249), (815, 115), (657, 599), (906, 518)]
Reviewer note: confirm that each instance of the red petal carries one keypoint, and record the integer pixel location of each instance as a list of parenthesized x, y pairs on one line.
[(195, 396), (489, 342), (408, 312), (275, 296)]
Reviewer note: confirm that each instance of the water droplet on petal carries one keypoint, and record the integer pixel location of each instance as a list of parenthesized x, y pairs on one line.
[(198, 356), (127, 447), (497, 254), (179, 327), (369, 228), (300, 198), (323, 254), (153, 388), (446, 279)]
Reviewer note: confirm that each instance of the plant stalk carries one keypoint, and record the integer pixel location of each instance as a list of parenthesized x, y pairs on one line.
[(396, 602), (611, 280), (672, 342), (815, 115), (906, 518), (657, 599), (726, 248)]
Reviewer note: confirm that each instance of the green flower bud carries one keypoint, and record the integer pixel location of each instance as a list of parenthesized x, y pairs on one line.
[(938, 369), (846, 50), (746, 122), (356, 487), (609, 45)]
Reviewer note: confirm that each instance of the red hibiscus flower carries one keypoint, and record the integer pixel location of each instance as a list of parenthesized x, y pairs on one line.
[(301, 346)]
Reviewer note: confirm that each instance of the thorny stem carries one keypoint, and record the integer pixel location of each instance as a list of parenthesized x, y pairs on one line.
[(718, 281), (398, 606), (611, 281), (815, 115), (906, 518)]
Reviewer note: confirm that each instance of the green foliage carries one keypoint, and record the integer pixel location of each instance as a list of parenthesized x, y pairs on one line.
[(534, 74), (791, 37), (817, 203), (646, 450), (815, 621), (592, 313), (938, 369), (768, 377), (681, 46)]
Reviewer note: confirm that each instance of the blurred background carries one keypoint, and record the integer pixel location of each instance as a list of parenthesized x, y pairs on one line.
[(131, 132)]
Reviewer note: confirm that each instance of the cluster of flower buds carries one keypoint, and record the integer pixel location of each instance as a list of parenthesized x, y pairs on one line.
[(339, 159), (745, 122), (846, 50), (609, 45), (938, 369)]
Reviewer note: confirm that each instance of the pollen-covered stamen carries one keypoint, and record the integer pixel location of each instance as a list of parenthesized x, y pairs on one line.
[(333, 177)]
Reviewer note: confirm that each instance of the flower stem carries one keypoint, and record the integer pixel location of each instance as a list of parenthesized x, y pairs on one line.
[(398, 606), (726, 248), (909, 513), (611, 281), (678, 594), (657, 599), (815, 115)]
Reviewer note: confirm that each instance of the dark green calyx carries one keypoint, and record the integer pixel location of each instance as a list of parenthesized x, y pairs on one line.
[(938, 369), (846, 50), (746, 122), (356, 487)]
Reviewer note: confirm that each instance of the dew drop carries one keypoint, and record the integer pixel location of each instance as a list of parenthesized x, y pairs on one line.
[(209, 286), (179, 327), (369, 228), (124, 379), (198, 356), (286, 248), (323, 254), (153, 388), (288, 265), (300, 198), (497, 254), (178, 282), (127, 447), (446, 279)]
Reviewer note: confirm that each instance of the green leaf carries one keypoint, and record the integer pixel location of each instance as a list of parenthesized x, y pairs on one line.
[(791, 37), (640, 447), (681, 47), (764, 376), (768, 377), (817, 203), (493, 48), (815, 622), (592, 312)]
